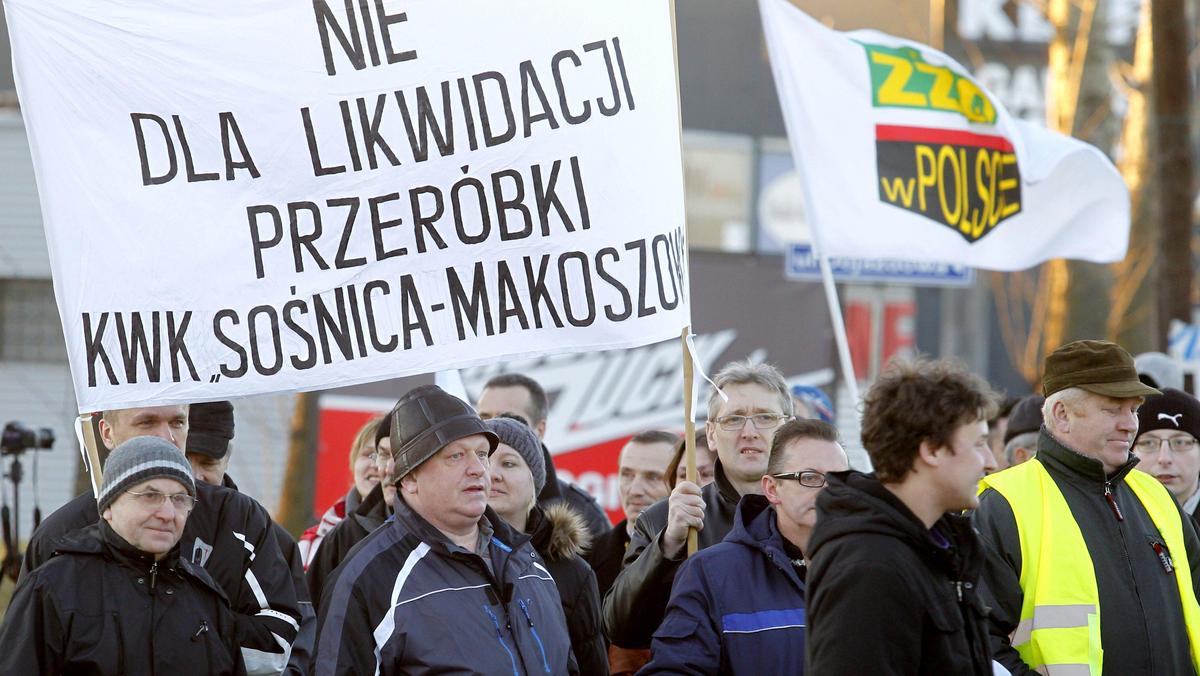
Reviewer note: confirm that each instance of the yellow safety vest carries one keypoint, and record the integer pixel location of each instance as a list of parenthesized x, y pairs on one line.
[(1059, 630)]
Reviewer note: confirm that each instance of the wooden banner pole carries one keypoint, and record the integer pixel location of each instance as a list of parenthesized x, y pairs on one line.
[(689, 428)]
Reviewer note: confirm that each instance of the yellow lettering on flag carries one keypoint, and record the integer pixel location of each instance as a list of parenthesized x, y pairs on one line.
[(891, 92), (899, 188)]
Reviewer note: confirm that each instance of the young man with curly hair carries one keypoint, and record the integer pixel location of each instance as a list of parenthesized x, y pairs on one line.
[(894, 568)]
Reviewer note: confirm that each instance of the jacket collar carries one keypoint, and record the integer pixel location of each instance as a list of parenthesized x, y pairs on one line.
[(373, 510), (99, 539), (854, 503), (755, 526), (1074, 466), (126, 553), (414, 523), (725, 490), (351, 501), (227, 482)]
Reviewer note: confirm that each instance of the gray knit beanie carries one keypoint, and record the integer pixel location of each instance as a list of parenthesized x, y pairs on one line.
[(141, 459), (525, 443)]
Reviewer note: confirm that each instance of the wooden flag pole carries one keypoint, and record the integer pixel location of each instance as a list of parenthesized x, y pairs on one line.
[(689, 429), (689, 415)]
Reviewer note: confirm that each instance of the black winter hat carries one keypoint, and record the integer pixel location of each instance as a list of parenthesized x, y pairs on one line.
[(425, 420), (210, 428), (1025, 416), (1172, 410)]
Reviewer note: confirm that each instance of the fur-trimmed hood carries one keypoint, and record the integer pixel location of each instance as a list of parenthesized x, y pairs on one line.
[(558, 532)]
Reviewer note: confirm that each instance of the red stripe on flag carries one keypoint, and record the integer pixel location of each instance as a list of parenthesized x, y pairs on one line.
[(887, 132)]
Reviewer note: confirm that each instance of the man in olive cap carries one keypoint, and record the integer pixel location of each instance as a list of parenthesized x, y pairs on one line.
[(445, 585), (1091, 565)]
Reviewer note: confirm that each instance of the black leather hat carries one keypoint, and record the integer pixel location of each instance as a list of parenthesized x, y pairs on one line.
[(1098, 366), (425, 420)]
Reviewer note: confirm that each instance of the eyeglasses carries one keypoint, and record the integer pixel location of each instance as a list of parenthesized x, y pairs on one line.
[(1177, 444), (762, 421), (154, 500), (379, 457), (809, 478)]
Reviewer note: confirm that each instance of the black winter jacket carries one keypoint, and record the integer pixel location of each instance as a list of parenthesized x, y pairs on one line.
[(884, 597), (369, 515), (1141, 619), (100, 606), (302, 648), (408, 601), (635, 605), (560, 536), (557, 490), (227, 534), (606, 555)]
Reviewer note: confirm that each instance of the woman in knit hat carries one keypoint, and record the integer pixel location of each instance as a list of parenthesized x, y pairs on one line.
[(116, 597), (518, 472)]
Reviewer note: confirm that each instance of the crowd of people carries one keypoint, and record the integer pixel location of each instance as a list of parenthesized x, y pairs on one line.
[(1055, 535)]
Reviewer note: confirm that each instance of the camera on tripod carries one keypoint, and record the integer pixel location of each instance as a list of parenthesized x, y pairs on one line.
[(18, 438)]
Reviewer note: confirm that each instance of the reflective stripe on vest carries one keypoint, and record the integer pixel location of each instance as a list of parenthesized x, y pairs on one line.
[(1059, 630)]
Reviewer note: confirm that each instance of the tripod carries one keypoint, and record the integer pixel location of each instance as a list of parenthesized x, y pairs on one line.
[(11, 520)]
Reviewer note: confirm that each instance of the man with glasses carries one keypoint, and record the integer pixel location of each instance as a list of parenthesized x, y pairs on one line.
[(369, 515), (1091, 565), (738, 606), (1166, 445), (228, 534), (893, 586), (117, 597), (740, 427)]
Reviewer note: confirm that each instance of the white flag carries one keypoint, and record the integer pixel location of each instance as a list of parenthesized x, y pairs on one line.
[(251, 197), (905, 155)]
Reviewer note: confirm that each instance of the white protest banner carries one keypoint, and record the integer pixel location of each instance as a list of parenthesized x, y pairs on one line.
[(906, 156), (250, 197)]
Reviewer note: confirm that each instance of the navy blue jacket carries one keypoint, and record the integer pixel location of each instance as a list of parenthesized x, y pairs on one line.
[(737, 607)]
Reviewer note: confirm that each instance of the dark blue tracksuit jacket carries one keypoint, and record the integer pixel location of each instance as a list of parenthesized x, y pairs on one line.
[(736, 607)]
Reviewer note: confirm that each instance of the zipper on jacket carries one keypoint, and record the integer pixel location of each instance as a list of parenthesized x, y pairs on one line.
[(1112, 502), (958, 588), (202, 635), (500, 637), (1129, 566), (120, 643), (153, 575), (536, 638)]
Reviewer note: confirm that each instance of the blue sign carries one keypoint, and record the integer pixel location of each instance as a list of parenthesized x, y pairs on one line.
[(801, 264)]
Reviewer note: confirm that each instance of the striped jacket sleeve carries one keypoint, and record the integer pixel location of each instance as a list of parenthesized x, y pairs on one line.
[(268, 612)]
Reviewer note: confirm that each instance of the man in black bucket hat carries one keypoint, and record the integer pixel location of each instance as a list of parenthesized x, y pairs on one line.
[(446, 584), (1091, 566)]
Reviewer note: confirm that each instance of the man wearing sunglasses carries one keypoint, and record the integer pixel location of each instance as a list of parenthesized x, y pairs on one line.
[(117, 597), (738, 606), (740, 427)]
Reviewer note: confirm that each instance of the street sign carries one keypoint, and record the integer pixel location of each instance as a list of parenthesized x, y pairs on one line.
[(801, 264)]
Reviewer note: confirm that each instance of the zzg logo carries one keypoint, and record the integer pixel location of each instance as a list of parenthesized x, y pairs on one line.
[(967, 182), (901, 78)]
